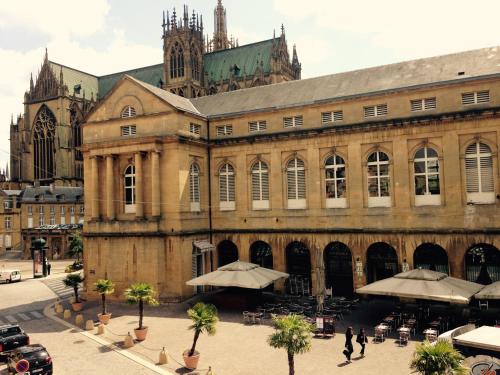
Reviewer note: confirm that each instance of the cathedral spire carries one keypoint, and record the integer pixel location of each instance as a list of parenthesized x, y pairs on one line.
[(220, 40)]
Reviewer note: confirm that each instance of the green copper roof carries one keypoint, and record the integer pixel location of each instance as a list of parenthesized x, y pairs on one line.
[(150, 74), (73, 77), (245, 58)]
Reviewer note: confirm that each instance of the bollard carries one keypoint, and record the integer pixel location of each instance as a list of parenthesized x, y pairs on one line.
[(129, 341), (67, 314), (79, 320), (163, 360), (89, 325), (59, 309), (100, 329)]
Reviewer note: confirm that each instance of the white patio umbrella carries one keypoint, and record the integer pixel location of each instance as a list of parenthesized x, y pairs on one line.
[(239, 274), (491, 291), (424, 284)]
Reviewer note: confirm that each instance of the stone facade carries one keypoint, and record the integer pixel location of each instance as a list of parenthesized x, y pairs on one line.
[(10, 223)]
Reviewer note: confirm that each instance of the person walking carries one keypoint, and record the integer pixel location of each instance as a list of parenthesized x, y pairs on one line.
[(49, 266), (362, 340), (348, 344)]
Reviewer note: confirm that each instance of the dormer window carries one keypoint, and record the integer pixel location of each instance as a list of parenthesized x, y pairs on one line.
[(128, 112)]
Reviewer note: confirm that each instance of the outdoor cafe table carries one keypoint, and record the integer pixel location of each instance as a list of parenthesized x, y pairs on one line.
[(429, 332), (404, 329)]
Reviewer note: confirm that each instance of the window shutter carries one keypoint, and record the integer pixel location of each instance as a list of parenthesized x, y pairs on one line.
[(226, 183), (262, 125), (288, 122), (338, 116), (468, 98), (220, 131), (486, 173), (253, 127), (128, 111), (416, 105), (299, 120), (125, 131), (231, 187), (296, 179), (194, 183), (430, 103), (260, 182), (369, 111), (381, 109), (195, 129), (471, 175), (326, 117), (483, 96)]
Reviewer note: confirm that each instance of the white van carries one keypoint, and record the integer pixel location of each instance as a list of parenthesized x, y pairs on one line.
[(9, 276)]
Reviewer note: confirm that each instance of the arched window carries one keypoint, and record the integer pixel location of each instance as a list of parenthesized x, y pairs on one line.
[(226, 187), (479, 173), (128, 112), (260, 186), (176, 61), (43, 144), (194, 187), (227, 252), (129, 186), (426, 168), (195, 64), (296, 184), (75, 117), (378, 180), (335, 182)]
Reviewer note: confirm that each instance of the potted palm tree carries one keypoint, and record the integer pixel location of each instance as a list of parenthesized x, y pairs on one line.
[(438, 358), (73, 280), (292, 333), (141, 293), (104, 287), (204, 318)]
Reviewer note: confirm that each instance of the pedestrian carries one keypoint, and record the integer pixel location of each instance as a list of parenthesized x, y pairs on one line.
[(362, 340), (49, 266), (348, 344)]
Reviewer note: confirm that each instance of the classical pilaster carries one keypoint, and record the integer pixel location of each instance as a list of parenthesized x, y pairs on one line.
[(139, 183), (95, 188), (155, 183), (110, 190)]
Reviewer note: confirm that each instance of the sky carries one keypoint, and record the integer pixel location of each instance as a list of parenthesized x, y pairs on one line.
[(106, 36)]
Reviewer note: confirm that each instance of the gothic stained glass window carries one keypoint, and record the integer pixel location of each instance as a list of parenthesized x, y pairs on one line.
[(195, 64), (43, 143), (76, 129), (176, 61)]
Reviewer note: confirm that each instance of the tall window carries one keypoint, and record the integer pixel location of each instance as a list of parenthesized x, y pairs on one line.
[(479, 173), (195, 64), (8, 222), (335, 182), (63, 215), (378, 180), (194, 187), (176, 61), (76, 120), (43, 143), (226, 188), (260, 186), (426, 168), (296, 184), (129, 185)]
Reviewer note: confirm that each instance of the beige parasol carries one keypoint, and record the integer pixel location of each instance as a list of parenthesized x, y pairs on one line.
[(491, 291)]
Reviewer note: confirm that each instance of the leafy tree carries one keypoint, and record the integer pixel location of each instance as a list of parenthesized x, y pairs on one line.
[(73, 280), (204, 317), (104, 287), (292, 333), (76, 245), (141, 293), (438, 359)]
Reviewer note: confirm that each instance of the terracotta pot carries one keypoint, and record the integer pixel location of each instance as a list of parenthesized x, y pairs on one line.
[(77, 306), (140, 334), (191, 362), (104, 318)]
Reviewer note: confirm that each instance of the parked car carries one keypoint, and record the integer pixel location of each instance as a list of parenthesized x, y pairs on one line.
[(11, 337), (40, 362), (8, 276)]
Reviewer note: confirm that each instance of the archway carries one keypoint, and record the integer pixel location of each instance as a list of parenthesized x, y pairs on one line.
[(482, 264), (261, 254), (382, 262), (298, 265), (227, 252), (431, 257), (338, 269)]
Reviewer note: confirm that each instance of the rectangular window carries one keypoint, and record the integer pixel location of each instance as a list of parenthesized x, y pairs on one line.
[(82, 210), (224, 130), (30, 210), (41, 210), (63, 210), (52, 210), (328, 117), (30, 222), (293, 122), (7, 204), (195, 129), (8, 223), (52, 220), (476, 97), (72, 211), (375, 110), (423, 104), (257, 126), (41, 220), (128, 130)]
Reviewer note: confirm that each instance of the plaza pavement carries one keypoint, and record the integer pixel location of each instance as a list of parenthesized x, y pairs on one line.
[(241, 349)]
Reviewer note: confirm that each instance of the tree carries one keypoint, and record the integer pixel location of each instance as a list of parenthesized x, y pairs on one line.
[(204, 317), (439, 358), (141, 293), (73, 280), (292, 333), (104, 287), (76, 245)]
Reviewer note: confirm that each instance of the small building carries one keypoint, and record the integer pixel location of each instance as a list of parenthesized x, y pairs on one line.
[(10, 223)]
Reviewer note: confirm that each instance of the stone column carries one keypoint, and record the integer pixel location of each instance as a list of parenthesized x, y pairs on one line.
[(155, 183), (95, 188), (110, 190), (139, 195)]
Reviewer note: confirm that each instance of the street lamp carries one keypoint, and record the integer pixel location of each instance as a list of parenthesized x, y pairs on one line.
[(39, 246)]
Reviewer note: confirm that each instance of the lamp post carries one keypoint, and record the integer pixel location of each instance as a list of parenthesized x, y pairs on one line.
[(39, 245)]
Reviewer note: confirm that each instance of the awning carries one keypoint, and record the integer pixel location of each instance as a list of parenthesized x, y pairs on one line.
[(484, 337), (203, 245), (491, 291)]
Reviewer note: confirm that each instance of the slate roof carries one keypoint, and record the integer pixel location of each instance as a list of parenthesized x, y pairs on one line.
[(150, 74), (73, 77), (408, 74), (12, 192), (244, 57), (43, 194)]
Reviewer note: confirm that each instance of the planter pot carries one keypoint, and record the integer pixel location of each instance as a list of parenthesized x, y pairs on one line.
[(77, 306), (104, 318), (140, 334), (191, 362)]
